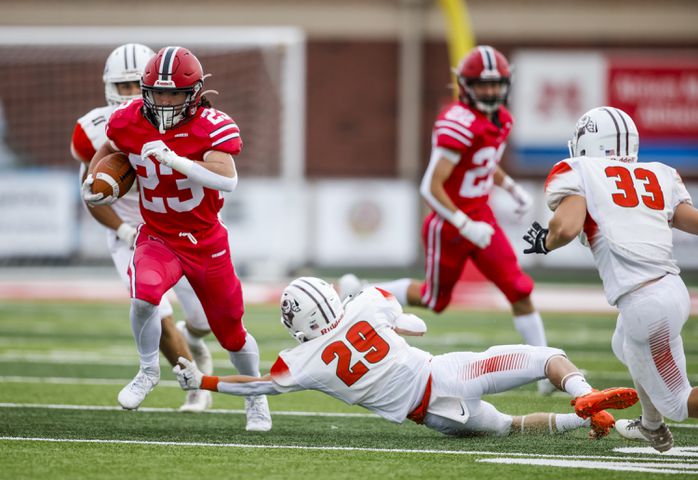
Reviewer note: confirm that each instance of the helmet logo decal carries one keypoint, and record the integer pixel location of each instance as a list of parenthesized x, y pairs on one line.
[(289, 308), (584, 125)]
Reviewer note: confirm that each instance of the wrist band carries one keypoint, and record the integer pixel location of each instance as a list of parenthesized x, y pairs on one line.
[(458, 219), (209, 382)]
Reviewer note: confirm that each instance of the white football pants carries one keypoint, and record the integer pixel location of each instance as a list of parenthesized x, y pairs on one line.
[(648, 341), (470, 375)]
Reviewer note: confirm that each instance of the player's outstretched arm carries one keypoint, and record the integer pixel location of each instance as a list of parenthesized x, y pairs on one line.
[(686, 218), (191, 378)]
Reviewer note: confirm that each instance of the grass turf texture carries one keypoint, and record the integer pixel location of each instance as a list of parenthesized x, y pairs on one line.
[(82, 354)]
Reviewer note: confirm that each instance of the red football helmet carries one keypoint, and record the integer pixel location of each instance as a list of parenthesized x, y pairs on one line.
[(173, 69), (483, 64)]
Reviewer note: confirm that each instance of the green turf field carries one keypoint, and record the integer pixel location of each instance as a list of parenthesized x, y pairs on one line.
[(62, 365)]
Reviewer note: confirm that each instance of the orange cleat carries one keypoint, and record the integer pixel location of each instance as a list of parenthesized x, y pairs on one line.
[(601, 424), (591, 403)]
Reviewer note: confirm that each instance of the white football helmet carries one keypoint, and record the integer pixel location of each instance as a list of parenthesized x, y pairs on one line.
[(125, 64), (605, 132), (310, 307)]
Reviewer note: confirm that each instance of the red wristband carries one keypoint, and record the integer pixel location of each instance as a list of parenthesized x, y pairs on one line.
[(209, 383)]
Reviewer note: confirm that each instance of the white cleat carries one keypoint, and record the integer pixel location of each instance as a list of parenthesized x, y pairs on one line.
[(659, 439), (349, 285), (258, 416), (132, 395), (197, 401), (199, 351), (546, 388)]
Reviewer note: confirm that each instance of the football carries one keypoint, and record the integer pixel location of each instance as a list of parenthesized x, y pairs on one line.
[(113, 175)]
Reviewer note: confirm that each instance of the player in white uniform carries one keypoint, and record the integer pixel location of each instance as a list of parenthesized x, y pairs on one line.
[(353, 352), (624, 212), (122, 74)]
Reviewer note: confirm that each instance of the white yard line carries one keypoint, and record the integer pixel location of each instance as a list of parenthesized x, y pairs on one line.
[(345, 449), (171, 410), (58, 406)]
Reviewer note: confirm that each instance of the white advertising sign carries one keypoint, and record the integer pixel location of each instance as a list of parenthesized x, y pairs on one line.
[(37, 214), (365, 223), (268, 228), (551, 90)]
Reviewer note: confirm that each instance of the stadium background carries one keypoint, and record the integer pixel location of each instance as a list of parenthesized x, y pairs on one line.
[(343, 197), (375, 75)]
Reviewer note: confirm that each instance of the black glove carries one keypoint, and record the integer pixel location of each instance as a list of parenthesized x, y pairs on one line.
[(536, 236)]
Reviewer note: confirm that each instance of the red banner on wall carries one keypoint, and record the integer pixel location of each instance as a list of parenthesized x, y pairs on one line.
[(660, 94)]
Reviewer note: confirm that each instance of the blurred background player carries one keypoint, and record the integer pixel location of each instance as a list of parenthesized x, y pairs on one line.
[(624, 212), (183, 151), (468, 140), (397, 381), (122, 76)]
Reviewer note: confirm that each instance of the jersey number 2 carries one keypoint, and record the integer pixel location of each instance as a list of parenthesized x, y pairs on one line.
[(626, 183), (364, 338)]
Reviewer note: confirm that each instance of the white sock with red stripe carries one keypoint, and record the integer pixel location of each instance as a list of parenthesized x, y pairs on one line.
[(530, 327), (397, 287)]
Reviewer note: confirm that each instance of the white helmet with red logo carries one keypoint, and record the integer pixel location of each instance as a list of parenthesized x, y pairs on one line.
[(605, 132), (484, 64), (125, 64), (173, 69), (310, 307)]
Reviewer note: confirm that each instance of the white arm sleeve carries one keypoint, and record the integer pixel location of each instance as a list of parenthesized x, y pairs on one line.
[(437, 153), (251, 388), (203, 176)]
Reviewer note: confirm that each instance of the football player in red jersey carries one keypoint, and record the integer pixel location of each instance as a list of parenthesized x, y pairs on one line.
[(468, 140), (182, 150), (122, 75)]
